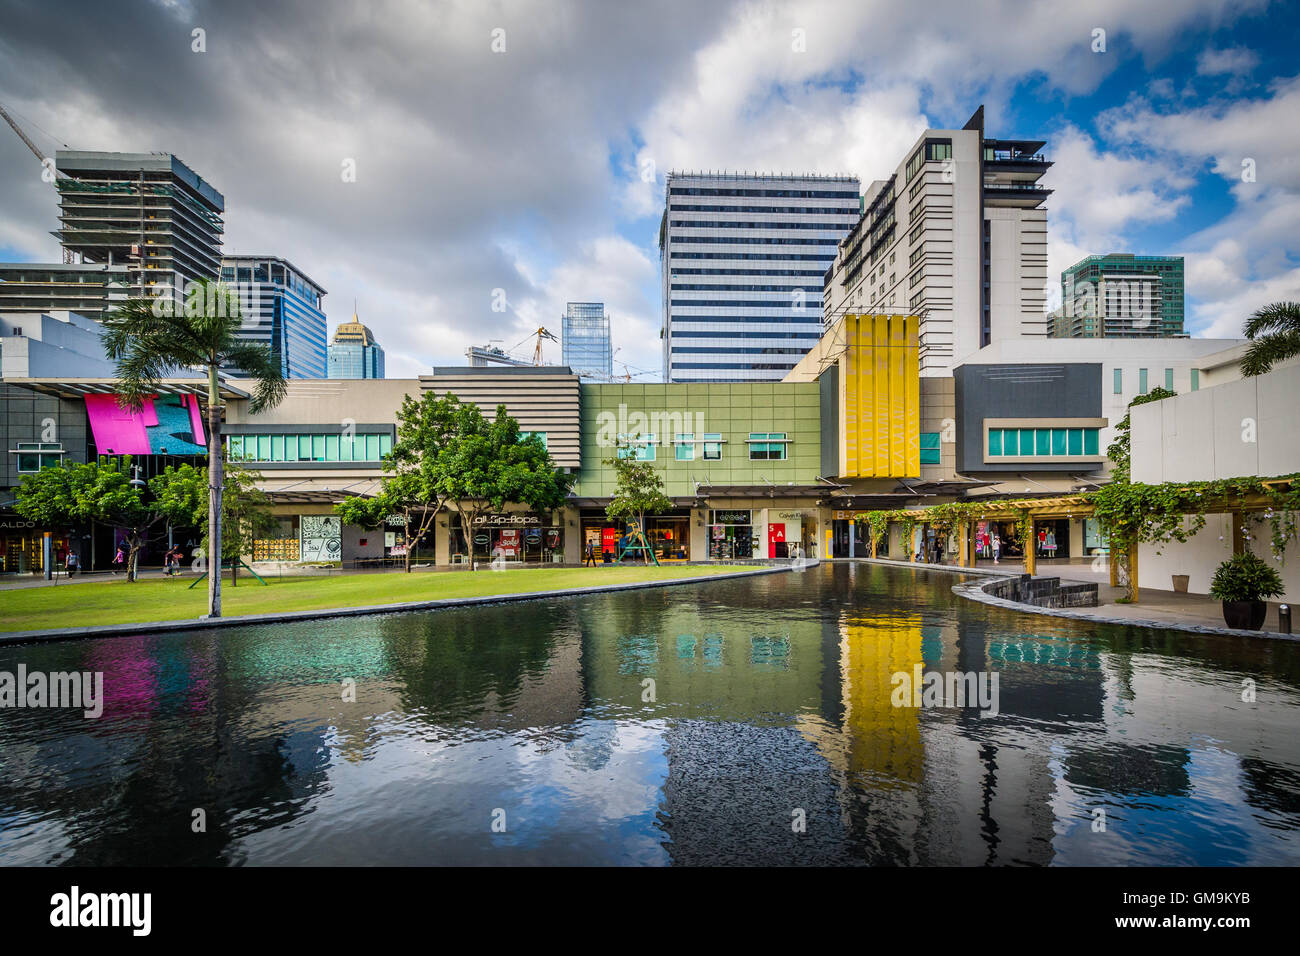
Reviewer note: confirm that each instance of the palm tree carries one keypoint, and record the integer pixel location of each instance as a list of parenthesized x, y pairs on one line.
[(150, 337), (1275, 334)]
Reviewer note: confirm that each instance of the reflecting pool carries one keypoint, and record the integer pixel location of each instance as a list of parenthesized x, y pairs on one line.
[(737, 722)]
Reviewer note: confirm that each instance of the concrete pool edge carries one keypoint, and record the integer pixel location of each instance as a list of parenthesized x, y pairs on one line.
[(244, 620), (974, 591)]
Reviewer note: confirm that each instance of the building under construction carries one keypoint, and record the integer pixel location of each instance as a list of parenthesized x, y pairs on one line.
[(148, 212)]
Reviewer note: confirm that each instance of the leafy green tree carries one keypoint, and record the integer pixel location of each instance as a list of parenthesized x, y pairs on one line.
[(487, 464), (104, 492), (149, 338), (1274, 332), (246, 516), (412, 487), (638, 490)]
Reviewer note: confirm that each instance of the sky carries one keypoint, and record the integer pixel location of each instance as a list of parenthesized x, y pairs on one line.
[(514, 152)]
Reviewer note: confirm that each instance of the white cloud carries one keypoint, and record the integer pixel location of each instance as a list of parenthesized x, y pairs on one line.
[(1234, 61)]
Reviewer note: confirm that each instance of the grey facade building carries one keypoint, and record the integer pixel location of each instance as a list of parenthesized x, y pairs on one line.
[(743, 258), (281, 308), (585, 341), (148, 212)]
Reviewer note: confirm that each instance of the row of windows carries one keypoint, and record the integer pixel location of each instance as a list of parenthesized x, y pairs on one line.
[(770, 257), (725, 224), (763, 446), (782, 193), (851, 211), (748, 272), (761, 304), (732, 350), (934, 149), (340, 447), (748, 366), (747, 319), (1143, 383), (719, 287), (728, 334), (1056, 442), (742, 240)]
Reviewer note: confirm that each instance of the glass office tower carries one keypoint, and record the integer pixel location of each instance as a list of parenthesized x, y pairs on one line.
[(281, 309), (354, 353), (585, 341)]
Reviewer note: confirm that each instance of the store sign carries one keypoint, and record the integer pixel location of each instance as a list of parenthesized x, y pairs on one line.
[(849, 515), (507, 520), (16, 524), (731, 517), (788, 515)]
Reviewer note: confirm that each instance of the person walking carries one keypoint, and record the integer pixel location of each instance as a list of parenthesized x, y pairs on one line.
[(997, 547), (71, 563), (119, 559), (590, 555)]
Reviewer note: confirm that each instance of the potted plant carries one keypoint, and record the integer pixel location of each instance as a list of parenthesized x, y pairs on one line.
[(1241, 583)]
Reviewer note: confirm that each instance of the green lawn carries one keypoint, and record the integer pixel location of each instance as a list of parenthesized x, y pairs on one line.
[(120, 602)]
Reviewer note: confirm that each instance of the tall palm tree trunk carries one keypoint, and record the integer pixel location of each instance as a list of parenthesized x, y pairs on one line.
[(216, 480)]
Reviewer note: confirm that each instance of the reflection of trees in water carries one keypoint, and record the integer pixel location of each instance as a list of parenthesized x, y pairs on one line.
[(497, 667)]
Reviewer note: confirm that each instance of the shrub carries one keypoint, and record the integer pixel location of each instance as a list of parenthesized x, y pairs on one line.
[(1244, 577)]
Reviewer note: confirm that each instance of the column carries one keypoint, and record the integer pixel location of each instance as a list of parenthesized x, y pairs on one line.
[(1031, 548)]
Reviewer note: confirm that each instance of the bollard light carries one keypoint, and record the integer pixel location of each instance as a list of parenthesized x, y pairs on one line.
[(1284, 618)]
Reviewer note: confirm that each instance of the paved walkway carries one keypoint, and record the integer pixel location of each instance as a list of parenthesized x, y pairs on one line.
[(1153, 605)]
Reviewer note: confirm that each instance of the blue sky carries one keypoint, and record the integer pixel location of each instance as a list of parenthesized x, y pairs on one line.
[(521, 169)]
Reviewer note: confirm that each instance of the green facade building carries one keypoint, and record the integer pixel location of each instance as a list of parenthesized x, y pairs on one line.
[(1121, 295)]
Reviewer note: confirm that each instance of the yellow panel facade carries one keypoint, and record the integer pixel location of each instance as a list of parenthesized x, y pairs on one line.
[(880, 397)]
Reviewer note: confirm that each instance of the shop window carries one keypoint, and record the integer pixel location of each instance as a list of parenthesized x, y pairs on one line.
[(930, 448), (767, 446), (685, 442)]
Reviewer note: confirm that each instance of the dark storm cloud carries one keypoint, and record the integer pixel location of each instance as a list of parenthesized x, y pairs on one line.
[(461, 153)]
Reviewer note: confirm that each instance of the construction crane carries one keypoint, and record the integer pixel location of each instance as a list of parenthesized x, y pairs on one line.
[(541, 334), (13, 124)]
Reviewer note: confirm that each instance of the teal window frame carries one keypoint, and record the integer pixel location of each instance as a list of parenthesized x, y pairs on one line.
[(767, 446), (931, 449), (1169, 379), (713, 446), (1196, 379), (1142, 381), (1119, 381), (685, 446)]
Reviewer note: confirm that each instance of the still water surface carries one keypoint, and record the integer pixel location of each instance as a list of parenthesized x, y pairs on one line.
[(772, 703)]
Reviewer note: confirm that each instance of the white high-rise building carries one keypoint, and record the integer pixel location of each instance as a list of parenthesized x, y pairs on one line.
[(958, 236), (743, 257)]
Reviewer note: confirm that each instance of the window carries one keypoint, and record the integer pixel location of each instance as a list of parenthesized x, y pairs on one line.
[(641, 449), (1169, 379), (930, 450), (685, 442), (35, 456), (1142, 381), (767, 446), (1041, 442), (712, 446), (1196, 379), (538, 435), (324, 447), (1119, 381)]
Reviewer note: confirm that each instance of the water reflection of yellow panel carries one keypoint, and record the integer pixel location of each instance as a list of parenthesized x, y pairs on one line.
[(882, 739)]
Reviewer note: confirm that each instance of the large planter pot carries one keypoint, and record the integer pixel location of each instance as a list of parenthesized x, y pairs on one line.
[(1245, 615), (1180, 583)]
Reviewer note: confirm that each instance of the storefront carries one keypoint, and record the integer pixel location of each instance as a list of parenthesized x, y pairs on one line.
[(783, 532), (22, 544), (851, 536), (1052, 538), (669, 535), (528, 537), (731, 534), (1008, 538)]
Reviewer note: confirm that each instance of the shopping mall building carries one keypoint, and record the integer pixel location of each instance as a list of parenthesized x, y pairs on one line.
[(761, 470)]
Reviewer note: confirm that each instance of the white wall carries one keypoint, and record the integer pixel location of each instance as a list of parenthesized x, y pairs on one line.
[(1201, 554), (1245, 427)]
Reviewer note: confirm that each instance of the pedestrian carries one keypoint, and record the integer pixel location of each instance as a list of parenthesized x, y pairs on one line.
[(172, 561), (997, 547), (590, 557), (119, 559), (71, 564)]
